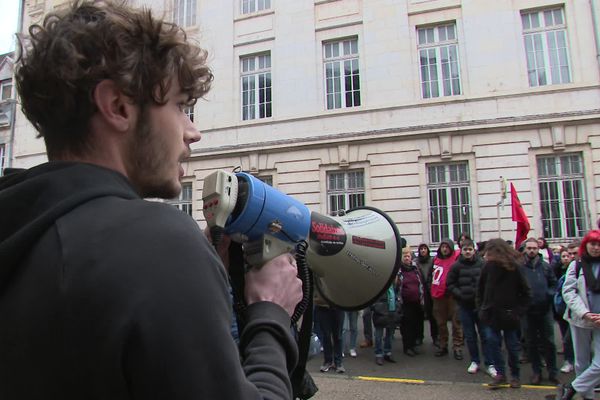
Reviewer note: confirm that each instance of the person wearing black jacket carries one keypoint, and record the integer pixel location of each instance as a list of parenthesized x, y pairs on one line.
[(104, 295), (540, 322), (425, 263), (503, 296), (462, 285)]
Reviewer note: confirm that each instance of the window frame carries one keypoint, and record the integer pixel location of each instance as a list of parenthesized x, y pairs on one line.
[(450, 195), (543, 32), (348, 55), (2, 158), (558, 227), (256, 102), (3, 85), (185, 200), (436, 46), (254, 6), (351, 197), (184, 12)]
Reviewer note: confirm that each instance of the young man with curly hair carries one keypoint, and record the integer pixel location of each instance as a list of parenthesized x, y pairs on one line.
[(105, 295)]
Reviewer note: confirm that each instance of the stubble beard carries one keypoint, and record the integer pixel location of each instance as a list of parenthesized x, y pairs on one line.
[(149, 172)]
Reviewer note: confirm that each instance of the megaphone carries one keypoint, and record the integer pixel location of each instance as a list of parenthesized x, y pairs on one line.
[(355, 257)]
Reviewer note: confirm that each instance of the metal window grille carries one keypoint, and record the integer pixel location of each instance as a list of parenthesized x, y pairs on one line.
[(449, 200), (256, 87), (345, 190), (189, 111), (546, 47), (438, 58), (562, 196), (184, 201), (342, 76)]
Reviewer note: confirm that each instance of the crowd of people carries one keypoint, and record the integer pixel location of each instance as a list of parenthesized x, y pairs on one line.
[(502, 301)]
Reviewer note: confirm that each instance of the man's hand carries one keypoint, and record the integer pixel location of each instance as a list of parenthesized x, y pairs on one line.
[(276, 281)]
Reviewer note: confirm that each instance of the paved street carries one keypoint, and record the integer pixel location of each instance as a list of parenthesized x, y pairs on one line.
[(423, 377)]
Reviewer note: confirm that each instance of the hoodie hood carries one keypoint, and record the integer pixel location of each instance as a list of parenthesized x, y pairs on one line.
[(450, 243), (421, 258), (32, 200)]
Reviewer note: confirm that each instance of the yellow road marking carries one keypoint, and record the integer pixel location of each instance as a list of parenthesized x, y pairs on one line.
[(400, 380)]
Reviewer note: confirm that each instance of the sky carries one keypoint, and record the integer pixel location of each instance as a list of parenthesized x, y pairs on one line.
[(9, 16)]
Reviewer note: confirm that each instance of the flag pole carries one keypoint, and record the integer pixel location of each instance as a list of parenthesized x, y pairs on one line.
[(501, 203)]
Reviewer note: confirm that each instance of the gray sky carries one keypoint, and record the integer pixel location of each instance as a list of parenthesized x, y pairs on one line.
[(8, 24)]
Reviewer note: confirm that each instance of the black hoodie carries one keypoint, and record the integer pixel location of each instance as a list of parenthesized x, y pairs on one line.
[(104, 295)]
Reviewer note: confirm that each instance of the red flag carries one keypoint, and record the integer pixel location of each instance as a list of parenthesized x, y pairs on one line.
[(519, 216)]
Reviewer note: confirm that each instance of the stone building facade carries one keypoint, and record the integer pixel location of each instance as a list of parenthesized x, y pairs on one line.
[(425, 109)]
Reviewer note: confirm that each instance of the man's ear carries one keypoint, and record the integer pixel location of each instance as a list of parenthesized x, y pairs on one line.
[(116, 109)]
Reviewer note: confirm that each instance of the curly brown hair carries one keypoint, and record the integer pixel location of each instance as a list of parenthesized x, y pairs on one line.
[(499, 251), (73, 50)]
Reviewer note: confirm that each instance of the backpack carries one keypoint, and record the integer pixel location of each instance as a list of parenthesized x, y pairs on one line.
[(559, 304)]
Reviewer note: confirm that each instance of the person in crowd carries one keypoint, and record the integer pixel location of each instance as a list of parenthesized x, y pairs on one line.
[(424, 261), (387, 314), (330, 322), (367, 319), (573, 249), (560, 270), (539, 332), (463, 236), (545, 250), (462, 283), (581, 292), (350, 332), (106, 295), (411, 293), (503, 296), (444, 306)]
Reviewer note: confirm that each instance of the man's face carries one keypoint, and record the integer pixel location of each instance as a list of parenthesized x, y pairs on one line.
[(574, 252), (406, 258), (467, 252), (532, 249), (445, 249), (593, 249), (423, 251), (159, 146)]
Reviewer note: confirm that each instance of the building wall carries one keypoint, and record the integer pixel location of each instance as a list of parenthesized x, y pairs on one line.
[(498, 124)]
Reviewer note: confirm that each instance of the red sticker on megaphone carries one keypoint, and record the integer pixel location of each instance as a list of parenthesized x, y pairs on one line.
[(327, 237)]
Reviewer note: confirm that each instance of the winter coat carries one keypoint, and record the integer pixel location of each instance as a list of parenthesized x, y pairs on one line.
[(382, 316), (440, 270), (413, 273), (463, 279), (575, 295), (542, 282)]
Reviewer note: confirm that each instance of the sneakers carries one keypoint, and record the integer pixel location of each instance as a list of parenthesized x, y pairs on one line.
[(458, 355), (473, 368), (515, 383), (566, 368), (497, 382), (491, 371), (353, 353), (340, 369), (326, 367)]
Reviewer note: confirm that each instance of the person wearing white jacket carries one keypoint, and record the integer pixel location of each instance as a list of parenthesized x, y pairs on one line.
[(581, 292)]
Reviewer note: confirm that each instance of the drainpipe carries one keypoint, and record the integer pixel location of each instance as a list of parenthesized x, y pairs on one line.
[(13, 108), (595, 22)]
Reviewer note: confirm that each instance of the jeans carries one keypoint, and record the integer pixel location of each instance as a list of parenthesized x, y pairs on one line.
[(587, 369), (540, 339), (387, 341), (368, 323), (350, 333), (513, 345), (473, 330), (330, 322), (567, 342)]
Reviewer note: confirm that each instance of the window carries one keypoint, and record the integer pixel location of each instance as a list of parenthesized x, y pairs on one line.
[(268, 179), (438, 55), (341, 69), (545, 35), (184, 12), (5, 89), (345, 190), (562, 196), (250, 6), (189, 111), (2, 158), (256, 87), (184, 200), (449, 200)]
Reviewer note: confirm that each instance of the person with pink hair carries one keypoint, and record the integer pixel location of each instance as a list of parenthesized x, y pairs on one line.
[(581, 292)]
